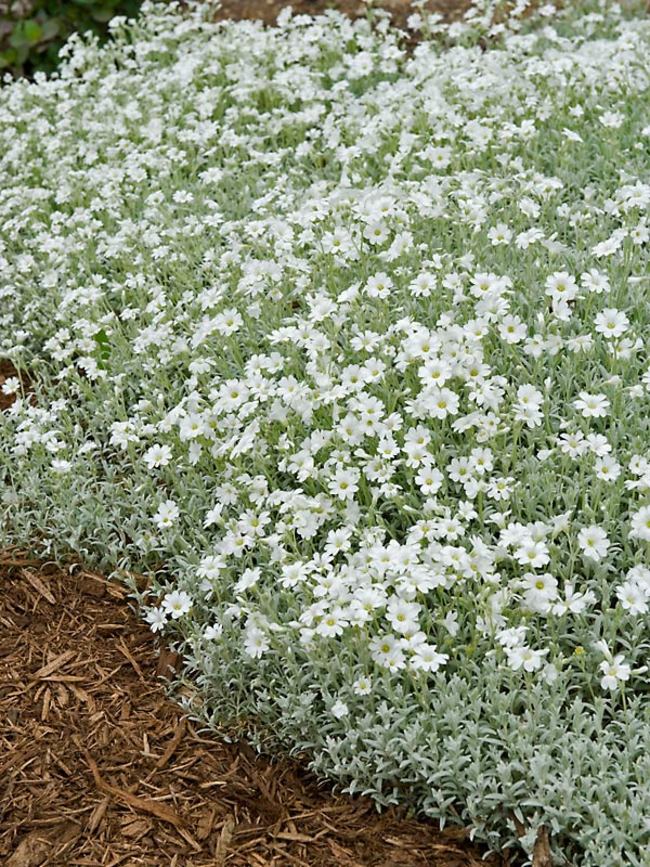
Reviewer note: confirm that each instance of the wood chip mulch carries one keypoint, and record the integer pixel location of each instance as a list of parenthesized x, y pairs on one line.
[(268, 10), (99, 767)]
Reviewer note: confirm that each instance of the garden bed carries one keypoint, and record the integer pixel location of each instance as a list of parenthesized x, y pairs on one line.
[(99, 767), (338, 359)]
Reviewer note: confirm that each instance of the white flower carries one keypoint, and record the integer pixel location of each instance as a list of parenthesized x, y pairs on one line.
[(440, 402), (532, 553), (550, 673), (598, 444), (429, 479), (530, 208), (512, 637), (228, 322), (156, 618), (11, 385), (386, 652), (561, 523), (427, 658), (500, 489), (615, 671), (330, 625), (61, 466), (157, 456), (593, 542), (540, 591), (248, 579), (379, 286), (639, 465), (362, 686), (573, 602), (191, 427), (612, 119), (177, 603), (256, 642), (611, 245), (423, 285), (640, 576), (525, 657), (641, 524), (211, 567), (580, 343), (632, 598), (607, 469), (512, 330), (573, 444), (402, 615), (561, 286), (611, 322), (345, 483), (339, 709), (499, 234), (460, 470), (592, 405), (595, 281), (450, 623), (527, 408), (213, 515), (166, 515)]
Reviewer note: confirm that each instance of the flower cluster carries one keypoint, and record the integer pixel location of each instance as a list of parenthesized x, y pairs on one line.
[(347, 348)]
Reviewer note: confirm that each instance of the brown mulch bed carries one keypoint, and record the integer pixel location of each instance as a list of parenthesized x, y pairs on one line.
[(99, 767), (268, 10)]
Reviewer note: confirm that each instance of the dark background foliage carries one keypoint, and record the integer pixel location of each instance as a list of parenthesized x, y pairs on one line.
[(33, 31)]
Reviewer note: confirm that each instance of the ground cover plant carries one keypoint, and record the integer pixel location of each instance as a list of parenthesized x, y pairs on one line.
[(343, 347)]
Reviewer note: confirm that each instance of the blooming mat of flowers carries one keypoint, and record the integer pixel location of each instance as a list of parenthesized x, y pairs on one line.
[(347, 347)]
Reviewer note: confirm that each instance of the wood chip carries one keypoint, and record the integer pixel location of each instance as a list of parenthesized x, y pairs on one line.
[(54, 665), (297, 838), (225, 837), (121, 646), (542, 856), (144, 805), (173, 744), (206, 823), (168, 662), (38, 585), (97, 815), (32, 851)]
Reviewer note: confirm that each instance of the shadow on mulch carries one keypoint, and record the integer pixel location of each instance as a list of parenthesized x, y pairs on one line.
[(99, 767)]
